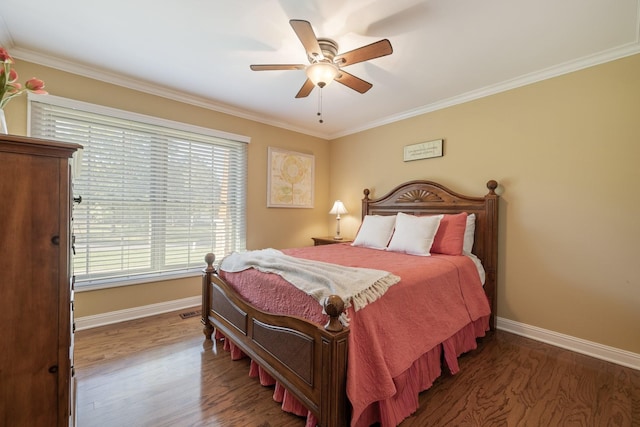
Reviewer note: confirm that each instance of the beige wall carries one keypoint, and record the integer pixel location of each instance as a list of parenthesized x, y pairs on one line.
[(566, 152), (266, 227)]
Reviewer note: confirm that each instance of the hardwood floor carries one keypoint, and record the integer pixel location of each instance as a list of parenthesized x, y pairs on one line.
[(159, 371)]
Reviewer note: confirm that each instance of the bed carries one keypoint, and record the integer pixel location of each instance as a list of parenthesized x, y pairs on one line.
[(311, 361)]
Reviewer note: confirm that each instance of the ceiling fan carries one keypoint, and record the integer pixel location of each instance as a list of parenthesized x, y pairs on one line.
[(325, 64)]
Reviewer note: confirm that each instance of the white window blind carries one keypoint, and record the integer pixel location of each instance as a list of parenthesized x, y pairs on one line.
[(156, 196)]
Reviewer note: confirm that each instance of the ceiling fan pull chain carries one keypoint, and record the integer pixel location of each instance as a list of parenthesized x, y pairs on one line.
[(320, 105)]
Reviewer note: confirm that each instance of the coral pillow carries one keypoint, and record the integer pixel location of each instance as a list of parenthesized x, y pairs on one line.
[(449, 239)]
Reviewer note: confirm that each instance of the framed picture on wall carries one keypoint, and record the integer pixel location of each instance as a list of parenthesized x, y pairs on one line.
[(423, 150), (290, 179)]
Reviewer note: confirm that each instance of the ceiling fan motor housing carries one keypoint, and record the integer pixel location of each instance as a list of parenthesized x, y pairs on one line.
[(329, 50)]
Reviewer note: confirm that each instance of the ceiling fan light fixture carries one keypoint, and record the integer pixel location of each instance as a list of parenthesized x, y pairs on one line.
[(322, 73), (325, 63)]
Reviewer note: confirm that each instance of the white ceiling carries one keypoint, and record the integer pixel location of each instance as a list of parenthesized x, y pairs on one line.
[(199, 51)]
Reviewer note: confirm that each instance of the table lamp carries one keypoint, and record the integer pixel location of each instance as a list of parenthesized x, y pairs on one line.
[(338, 209)]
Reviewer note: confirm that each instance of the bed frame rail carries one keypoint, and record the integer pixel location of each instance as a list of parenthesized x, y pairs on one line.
[(314, 356)]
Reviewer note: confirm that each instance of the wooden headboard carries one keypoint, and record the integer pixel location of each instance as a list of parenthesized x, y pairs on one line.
[(429, 198)]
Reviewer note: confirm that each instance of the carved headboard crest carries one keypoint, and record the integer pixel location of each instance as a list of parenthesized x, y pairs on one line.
[(417, 196)]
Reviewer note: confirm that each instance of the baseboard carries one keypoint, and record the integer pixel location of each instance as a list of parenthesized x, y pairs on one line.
[(599, 351), (88, 322)]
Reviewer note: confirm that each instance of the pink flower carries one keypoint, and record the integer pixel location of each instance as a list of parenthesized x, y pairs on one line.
[(36, 86), (9, 86), (13, 76), (4, 56)]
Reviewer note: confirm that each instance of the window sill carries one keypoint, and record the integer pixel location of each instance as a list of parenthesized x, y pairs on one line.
[(139, 280)]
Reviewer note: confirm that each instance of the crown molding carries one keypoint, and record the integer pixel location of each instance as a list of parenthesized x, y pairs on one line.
[(149, 88), (527, 79), (157, 90)]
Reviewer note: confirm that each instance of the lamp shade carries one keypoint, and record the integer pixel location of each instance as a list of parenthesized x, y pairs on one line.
[(322, 73), (338, 208)]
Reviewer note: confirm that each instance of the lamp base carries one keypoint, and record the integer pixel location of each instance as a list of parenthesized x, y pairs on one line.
[(337, 238)]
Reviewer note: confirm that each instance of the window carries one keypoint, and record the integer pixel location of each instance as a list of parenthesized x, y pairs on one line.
[(156, 195)]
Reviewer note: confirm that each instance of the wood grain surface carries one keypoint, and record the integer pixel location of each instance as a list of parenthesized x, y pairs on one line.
[(159, 371)]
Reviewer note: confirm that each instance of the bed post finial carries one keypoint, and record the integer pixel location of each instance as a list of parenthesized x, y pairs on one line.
[(492, 185), (334, 307), (365, 202), (210, 259), (206, 286)]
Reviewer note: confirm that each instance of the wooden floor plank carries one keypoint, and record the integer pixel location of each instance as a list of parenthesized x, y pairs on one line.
[(159, 371)]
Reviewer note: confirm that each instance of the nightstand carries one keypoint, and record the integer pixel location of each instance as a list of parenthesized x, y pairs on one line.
[(328, 240)]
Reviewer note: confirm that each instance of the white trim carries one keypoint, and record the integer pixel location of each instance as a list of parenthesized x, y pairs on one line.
[(150, 88), (589, 348), (117, 282), (599, 351), (130, 115), (102, 319), (154, 89), (524, 80)]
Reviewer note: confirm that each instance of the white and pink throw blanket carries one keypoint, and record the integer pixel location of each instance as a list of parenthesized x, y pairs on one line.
[(356, 286)]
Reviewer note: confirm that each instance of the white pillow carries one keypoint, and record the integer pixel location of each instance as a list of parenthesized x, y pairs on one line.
[(375, 231), (414, 234), (469, 232)]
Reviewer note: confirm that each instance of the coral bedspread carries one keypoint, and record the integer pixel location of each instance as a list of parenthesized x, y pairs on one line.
[(439, 302)]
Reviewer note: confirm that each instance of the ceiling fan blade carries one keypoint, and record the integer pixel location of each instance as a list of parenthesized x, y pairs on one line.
[(267, 67), (307, 37), (353, 82), (364, 53), (306, 89)]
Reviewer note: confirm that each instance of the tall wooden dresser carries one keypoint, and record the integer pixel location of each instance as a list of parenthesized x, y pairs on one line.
[(36, 285)]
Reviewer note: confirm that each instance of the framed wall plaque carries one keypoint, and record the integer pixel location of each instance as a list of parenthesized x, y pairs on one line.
[(423, 150)]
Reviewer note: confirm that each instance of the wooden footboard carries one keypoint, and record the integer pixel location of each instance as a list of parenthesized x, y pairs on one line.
[(310, 361)]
